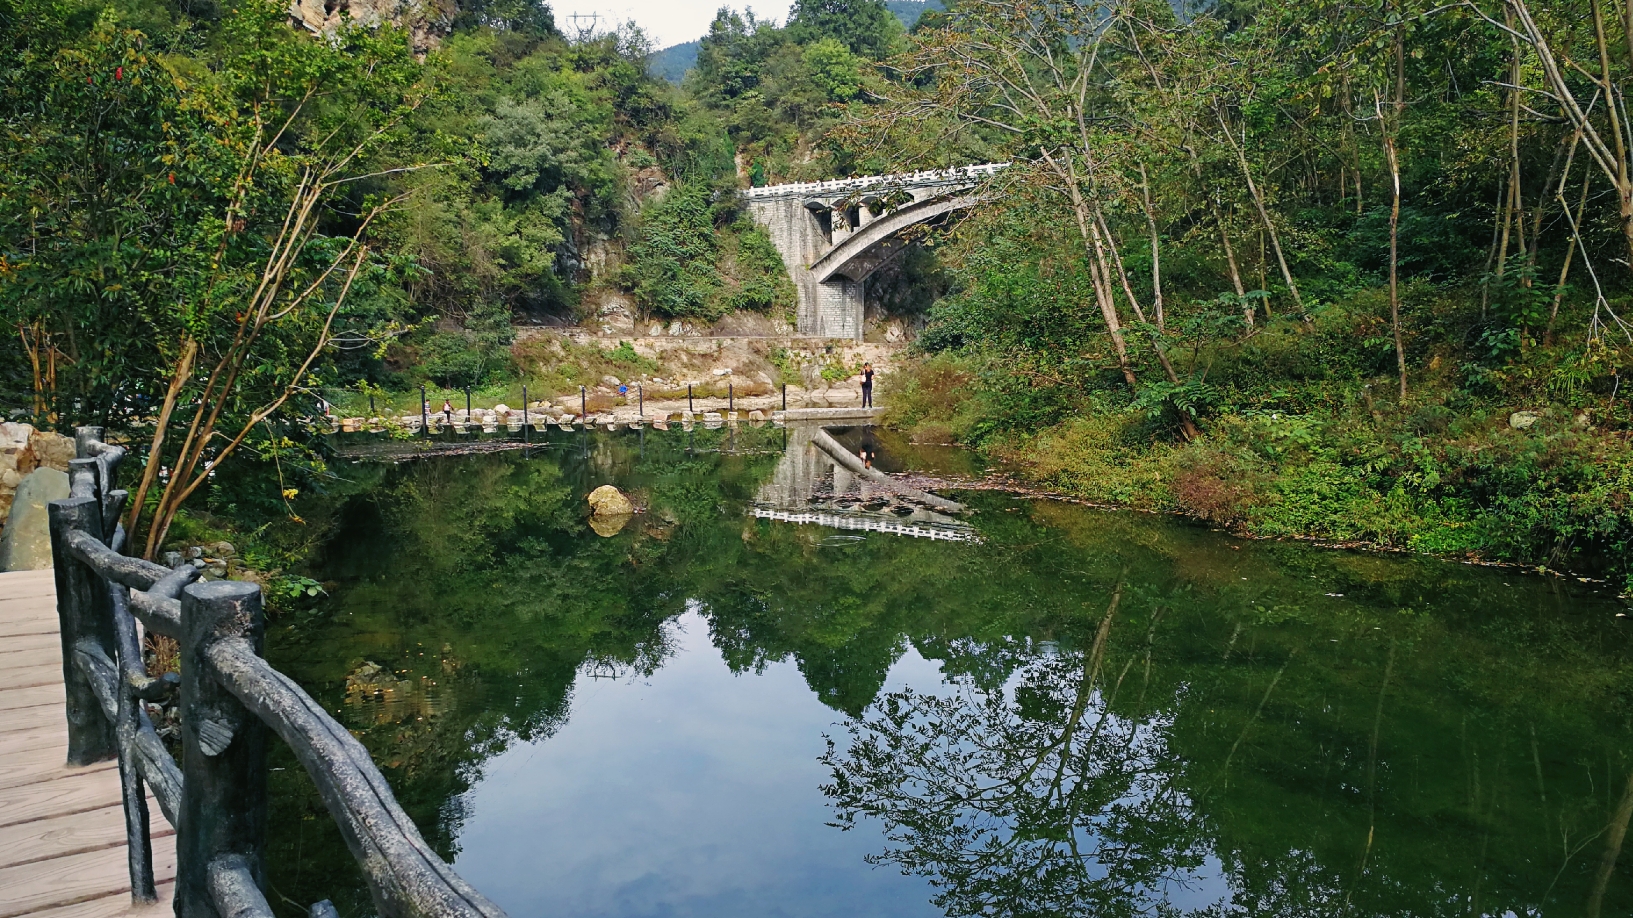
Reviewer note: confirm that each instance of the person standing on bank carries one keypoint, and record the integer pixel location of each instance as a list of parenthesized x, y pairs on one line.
[(447, 412), (867, 385)]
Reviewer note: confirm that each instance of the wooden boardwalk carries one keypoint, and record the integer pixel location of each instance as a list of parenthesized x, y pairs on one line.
[(62, 830)]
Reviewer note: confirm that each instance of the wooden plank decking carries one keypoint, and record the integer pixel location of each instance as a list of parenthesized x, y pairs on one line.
[(62, 830)]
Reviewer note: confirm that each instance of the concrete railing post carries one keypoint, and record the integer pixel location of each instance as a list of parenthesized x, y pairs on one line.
[(82, 612), (224, 776)]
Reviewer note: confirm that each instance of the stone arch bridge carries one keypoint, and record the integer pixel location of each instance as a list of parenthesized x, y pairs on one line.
[(833, 235)]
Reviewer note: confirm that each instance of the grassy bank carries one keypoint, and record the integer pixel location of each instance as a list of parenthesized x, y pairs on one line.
[(1329, 453)]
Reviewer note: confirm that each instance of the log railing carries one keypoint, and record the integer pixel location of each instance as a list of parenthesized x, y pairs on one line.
[(228, 698)]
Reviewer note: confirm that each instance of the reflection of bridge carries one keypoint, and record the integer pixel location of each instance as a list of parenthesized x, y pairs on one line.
[(833, 235), (864, 521), (811, 486)]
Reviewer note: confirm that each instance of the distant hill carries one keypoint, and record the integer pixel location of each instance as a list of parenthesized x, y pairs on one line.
[(909, 11), (672, 62)]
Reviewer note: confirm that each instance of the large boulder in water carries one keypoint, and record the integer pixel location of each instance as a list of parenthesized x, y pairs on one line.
[(26, 545), (609, 526), (609, 501)]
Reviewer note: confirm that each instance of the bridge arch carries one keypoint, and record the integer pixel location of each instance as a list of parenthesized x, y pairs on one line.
[(833, 235), (859, 254)]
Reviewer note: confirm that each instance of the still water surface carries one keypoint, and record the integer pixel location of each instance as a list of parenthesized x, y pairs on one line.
[(1053, 711)]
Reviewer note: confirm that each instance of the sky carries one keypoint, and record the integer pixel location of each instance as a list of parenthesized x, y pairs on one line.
[(666, 22)]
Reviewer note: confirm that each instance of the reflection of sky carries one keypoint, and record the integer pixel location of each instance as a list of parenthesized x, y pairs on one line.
[(693, 792)]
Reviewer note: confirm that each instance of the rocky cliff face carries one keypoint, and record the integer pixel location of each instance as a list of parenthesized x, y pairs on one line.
[(426, 20)]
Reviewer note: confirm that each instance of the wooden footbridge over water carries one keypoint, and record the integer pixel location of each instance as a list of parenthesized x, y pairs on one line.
[(62, 830)]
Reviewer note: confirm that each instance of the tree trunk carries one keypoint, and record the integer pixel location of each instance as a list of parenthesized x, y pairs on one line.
[(1541, 210), (1511, 197), (1156, 251), (1391, 129), (1264, 283), (1224, 239), (1570, 250), (1615, 834), (1230, 263), (1110, 244), (1624, 198), (1611, 157), (155, 449), (1102, 287), (1264, 213), (1394, 260), (1565, 267)]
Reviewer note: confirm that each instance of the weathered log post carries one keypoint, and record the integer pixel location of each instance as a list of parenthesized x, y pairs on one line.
[(90, 449), (86, 439), (82, 608), (224, 784), (127, 725)]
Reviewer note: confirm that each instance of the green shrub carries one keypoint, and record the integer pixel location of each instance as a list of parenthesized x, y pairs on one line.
[(673, 268), (937, 389), (681, 266), (475, 355)]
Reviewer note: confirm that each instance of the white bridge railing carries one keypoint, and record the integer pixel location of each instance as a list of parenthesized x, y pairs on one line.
[(962, 175)]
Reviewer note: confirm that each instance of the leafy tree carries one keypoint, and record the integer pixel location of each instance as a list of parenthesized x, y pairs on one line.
[(116, 176), (866, 27), (526, 17), (697, 258), (672, 269), (781, 91), (172, 236), (833, 70)]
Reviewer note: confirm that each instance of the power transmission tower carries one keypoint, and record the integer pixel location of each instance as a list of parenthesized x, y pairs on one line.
[(585, 32)]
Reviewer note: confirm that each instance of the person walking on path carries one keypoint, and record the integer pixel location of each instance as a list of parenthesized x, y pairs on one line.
[(867, 385), (447, 412)]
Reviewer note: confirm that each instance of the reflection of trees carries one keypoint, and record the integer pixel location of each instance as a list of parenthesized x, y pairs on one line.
[(1033, 801), (477, 575), (1046, 786)]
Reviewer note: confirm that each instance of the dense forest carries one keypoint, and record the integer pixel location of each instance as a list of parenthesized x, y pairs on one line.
[(1348, 271), (1341, 271)]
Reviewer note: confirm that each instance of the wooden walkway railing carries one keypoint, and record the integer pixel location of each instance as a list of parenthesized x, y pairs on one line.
[(229, 696)]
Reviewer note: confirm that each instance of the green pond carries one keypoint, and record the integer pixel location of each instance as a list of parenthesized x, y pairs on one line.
[(1035, 709)]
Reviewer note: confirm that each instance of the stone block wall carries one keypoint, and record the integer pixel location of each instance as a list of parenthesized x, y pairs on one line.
[(24, 449), (832, 310)]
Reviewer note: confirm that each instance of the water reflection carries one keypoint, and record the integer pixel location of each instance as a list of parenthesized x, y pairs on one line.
[(1079, 713), (686, 793), (1034, 800), (809, 487)]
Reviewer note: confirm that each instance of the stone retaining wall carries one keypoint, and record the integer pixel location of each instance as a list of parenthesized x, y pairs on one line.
[(24, 449), (510, 421)]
